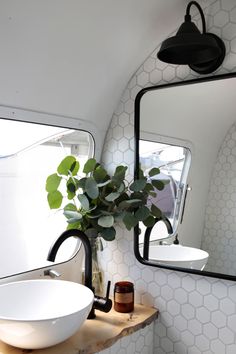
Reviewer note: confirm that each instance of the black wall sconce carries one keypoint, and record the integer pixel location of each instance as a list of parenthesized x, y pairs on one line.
[(203, 52)]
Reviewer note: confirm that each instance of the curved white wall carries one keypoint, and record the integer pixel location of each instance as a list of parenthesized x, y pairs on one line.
[(219, 237), (197, 315)]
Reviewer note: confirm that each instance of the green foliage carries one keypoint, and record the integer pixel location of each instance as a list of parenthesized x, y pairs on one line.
[(97, 200), (55, 199)]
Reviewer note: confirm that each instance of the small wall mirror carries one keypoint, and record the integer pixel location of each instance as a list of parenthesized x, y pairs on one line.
[(188, 131), (29, 153)]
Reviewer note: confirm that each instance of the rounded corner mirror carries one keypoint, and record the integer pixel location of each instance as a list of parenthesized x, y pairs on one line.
[(188, 131)]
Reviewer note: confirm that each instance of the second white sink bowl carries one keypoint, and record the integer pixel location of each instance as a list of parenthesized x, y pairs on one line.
[(40, 313), (179, 256)]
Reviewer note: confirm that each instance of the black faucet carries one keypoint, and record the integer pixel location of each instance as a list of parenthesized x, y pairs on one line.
[(147, 235), (176, 240), (100, 303)]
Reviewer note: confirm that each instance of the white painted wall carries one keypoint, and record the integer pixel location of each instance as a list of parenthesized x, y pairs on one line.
[(74, 57)]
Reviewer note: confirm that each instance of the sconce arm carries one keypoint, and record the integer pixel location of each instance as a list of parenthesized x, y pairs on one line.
[(188, 16)]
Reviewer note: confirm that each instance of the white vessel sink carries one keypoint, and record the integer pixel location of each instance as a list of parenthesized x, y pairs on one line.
[(179, 256), (40, 313)]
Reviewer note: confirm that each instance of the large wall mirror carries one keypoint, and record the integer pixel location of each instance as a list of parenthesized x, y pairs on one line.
[(188, 131), (29, 153)]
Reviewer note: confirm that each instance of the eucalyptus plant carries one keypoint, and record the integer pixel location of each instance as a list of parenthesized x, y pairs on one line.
[(96, 201)]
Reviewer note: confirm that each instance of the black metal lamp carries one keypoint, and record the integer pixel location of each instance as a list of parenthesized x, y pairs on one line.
[(203, 52)]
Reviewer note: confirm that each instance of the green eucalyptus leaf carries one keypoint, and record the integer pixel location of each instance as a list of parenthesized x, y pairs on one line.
[(123, 196), (139, 195), (73, 226), (150, 221), (72, 220), (89, 166), (81, 183), (75, 168), (52, 183), (94, 215), (83, 201), (108, 234), (91, 232), (149, 187), (119, 216), (103, 184), (105, 212), (100, 174), (140, 173), (71, 189), (138, 185), (119, 174), (70, 206), (104, 203), (112, 196), (65, 166), (125, 204), (156, 211), (71, 214), (91, 188), (154, 171), (121, 188), (106, 221), (129, 220), (54, 199), (142, 213), (158, 184), (70, 185), (70, 195)]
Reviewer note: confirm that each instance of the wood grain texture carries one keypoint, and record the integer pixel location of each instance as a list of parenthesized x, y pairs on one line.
[(98, 334)]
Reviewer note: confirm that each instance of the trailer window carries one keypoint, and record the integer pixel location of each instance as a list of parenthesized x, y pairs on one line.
[(29, 153), (173, 162)]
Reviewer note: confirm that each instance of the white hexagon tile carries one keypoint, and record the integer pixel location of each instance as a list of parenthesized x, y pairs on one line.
[(197, 315), (221, 211), (140, 342)]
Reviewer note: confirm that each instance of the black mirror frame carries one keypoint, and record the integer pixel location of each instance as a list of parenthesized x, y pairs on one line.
[(138, 98)]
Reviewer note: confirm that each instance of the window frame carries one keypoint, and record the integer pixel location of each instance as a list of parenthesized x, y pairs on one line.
[(30, 116), (180, 204)]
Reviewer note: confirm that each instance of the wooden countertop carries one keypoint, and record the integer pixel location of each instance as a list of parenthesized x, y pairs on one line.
[(98, 334)]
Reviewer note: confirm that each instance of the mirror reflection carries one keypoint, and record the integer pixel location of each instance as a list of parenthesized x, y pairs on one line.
[(173, 164), (188, 130), (28, 154)]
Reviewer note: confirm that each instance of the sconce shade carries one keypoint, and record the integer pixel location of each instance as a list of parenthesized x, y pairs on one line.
[(189, 46), (203, 52)]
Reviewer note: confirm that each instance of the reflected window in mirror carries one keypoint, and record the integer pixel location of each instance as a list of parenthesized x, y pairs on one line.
[(173, 162), (29, 153)]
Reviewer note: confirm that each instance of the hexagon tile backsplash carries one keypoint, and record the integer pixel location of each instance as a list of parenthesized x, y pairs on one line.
[(221, 210), (140, 342), (197, 315)]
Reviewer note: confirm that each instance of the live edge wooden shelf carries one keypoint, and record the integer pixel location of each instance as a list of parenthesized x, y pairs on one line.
[(98, 334)]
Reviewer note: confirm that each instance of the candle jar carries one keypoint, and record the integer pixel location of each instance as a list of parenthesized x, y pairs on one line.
[(124, 296)]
